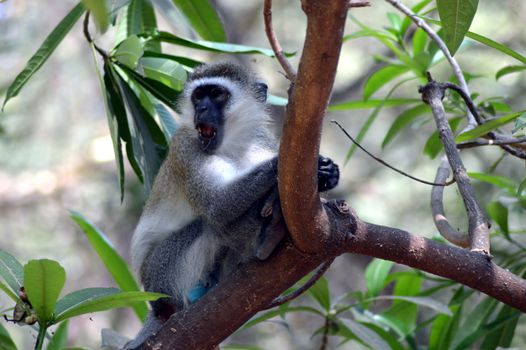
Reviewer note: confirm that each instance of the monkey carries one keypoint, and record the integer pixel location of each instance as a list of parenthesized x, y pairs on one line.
[(214, 202)]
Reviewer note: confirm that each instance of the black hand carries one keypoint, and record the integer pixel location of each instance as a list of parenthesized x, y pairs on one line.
[(328, 174)]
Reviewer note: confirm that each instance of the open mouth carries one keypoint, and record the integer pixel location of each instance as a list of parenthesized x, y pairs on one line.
[(206, 131)]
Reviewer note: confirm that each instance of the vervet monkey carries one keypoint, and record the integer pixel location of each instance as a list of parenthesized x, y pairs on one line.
[(209, 207)]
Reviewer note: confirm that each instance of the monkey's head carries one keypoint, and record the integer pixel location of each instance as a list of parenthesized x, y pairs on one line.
[(223, 96)]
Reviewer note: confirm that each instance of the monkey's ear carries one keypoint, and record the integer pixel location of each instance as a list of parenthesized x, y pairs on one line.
[(261, 91)]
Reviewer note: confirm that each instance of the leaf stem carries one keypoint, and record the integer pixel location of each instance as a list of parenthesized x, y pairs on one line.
[(41, 336)]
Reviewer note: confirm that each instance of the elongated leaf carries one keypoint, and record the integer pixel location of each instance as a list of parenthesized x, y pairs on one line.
[(214, 46), (6, 343), (185, 61), (148, 153), (43, 281), (113, 106), (407, 21), (81, 296), (403, 120), (98, 9), (508, 70), (321, 293), (203, 18), (365, 334), (375, 275), (498, 46), (392, 102), (60, 339), (488, 42), (444, 328), (380, 78), (278, 312), (107, 302), (167, 120), (488, 126), (169, 73), (499, 214), (140, 18), (421, 301), (11, 271), (473, 322), (500, 181), (456, 17), (277, 100), (46, 49), (111, 259), (129, 51), (9, 293)]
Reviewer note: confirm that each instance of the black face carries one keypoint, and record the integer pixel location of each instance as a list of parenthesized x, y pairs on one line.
[(209, 103)]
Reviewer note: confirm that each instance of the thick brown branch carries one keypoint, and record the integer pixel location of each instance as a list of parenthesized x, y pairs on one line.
[(437, 209), (478, 226), (274, 43), (308, 102), (225, 308)]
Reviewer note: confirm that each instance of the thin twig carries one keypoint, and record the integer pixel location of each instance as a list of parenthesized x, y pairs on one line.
[(437, 208), (274, 43), (490, 142), (478, 226), (87, 34), (314, 278), (436, 38), (381, 161), (325, 336), (354, 4)]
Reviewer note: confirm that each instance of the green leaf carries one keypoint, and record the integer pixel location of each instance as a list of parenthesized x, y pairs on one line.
[(46, 49), (321, 293), (508, 70), (11, 271), (421, 301), (278, 312), (391, 102), (376, 274), (106, 302), (167, 120), (111, 259), (499, 214), (419, 41), (380, 78), (140, 18), (146, 137), (444, 328), (167, 72), (499, 181), (367, 335), (81, 296), (470, 330), (488, 126), (185, 61), (9, 293), (60, 339), (129, 51), (521, 188), (503, 329), (406, 22), (403, 120), (114, 107), (99, 11), (43, 281), (6, 343), (488, 42), (497, 46), (214, 46), (456, 17), (203, 18)]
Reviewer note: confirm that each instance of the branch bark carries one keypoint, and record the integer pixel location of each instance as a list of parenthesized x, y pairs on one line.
[(308, 100)]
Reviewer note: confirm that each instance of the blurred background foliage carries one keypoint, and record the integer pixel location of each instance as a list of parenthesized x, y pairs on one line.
[(56, 154)]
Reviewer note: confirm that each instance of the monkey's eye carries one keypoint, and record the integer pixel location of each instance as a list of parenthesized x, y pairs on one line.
[(218, 93), (198, 94)]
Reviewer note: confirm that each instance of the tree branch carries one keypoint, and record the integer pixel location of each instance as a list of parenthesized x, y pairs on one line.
[(478, 226), (253, 286), (437, 209), (274, 43), (308, 100)]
